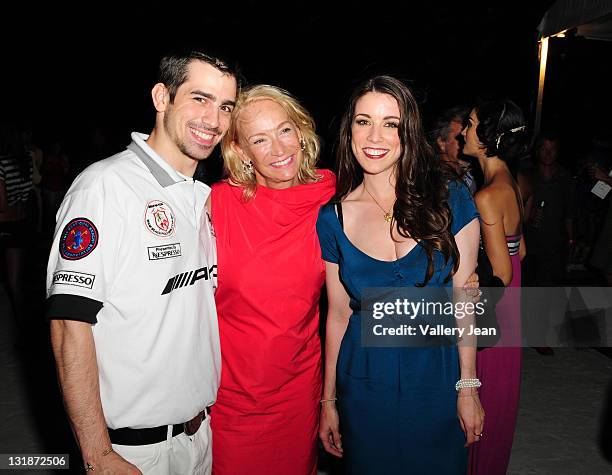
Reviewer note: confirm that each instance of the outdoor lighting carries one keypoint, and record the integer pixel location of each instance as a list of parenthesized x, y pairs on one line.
[(543, 56)]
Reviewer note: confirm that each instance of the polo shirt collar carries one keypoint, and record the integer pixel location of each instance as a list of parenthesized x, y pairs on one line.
[(159, 168)]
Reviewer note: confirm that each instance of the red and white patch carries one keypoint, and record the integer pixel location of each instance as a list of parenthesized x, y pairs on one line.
[(159, 218)]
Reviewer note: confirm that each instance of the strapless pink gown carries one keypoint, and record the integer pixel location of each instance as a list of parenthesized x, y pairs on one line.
[(499, 370)]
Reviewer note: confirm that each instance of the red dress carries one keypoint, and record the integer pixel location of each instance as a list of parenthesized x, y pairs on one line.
[(270, 273)]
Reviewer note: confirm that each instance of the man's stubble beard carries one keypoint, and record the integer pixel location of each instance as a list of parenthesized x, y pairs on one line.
[(181, 145)]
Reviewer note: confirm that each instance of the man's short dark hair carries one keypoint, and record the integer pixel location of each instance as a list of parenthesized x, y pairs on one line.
[(173, 69), (549, 135)]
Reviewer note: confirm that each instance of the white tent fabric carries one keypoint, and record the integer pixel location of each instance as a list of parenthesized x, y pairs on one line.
[(591, 18), (600, 29)]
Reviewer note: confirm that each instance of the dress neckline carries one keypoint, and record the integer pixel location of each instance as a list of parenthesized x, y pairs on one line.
[(394, 261)]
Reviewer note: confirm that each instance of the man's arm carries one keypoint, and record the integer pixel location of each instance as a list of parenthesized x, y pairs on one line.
[(599, 174), (77, 370)]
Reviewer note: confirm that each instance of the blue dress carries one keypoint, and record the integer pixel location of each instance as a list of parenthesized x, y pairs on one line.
[(397, 406)]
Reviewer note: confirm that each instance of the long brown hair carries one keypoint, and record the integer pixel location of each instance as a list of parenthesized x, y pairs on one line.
[(421, 210)]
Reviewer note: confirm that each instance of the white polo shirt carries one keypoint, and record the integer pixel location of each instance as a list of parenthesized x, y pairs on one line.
[(134, 255)]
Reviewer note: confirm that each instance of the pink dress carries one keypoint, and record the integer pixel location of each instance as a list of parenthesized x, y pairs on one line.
[(499, 370)]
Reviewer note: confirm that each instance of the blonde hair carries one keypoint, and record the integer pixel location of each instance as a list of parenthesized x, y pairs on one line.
[(233, 165)]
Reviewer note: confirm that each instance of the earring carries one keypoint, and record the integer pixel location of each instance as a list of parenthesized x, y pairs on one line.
[(302, 144), (247, 167)]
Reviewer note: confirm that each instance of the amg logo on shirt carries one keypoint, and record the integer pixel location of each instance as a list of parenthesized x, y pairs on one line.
[(189, 278), (164, 252), (79, 279)]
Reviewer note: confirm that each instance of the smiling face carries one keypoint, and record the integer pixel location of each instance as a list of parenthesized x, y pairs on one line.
[(200, 114), (270, 140), (473, 146), (375, 139)]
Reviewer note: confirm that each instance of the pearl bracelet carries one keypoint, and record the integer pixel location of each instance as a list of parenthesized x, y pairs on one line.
[(467, 383)]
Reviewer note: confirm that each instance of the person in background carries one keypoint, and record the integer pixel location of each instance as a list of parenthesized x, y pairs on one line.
[(602, 252), (37, 163), (496, 135), (548, 215), (266, 415), (589, 208), (549, 230), (446, 135), (55, 174), (399, 219), (15, 189)]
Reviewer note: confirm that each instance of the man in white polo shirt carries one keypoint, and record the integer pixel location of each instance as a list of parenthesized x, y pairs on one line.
[(130, 285)]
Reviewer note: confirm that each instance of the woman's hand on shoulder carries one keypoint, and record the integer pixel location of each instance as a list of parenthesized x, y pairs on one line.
[(472, 287)]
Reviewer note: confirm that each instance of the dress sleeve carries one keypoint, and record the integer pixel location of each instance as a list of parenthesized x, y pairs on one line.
[(461, 204), (327, 236)]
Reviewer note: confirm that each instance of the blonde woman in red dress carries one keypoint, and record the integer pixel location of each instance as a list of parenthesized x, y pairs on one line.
[(270, 274)]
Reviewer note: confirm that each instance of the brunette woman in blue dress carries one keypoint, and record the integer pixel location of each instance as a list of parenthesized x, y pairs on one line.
[(399, 220)]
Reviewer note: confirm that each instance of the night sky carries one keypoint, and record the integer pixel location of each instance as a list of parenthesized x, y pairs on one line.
[(96, 67)]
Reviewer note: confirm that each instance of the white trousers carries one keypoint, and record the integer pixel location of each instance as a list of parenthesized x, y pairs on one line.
[(180, 455)]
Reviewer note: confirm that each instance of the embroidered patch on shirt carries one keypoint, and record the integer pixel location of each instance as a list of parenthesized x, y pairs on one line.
[(78, 279), (79, 238), (159, 218), (164, 252)]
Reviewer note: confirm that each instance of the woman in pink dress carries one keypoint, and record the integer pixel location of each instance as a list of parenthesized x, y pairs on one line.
[(270, 275), (496, 135)]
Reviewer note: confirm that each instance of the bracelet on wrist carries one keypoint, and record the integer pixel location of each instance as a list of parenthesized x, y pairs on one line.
[(89, 467), (333, 399), (467, 383)]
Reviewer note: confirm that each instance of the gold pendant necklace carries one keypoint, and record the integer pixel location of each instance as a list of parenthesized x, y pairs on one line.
[(388, 216)]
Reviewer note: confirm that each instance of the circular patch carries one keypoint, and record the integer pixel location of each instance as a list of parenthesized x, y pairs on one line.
[(79, 238), (159, 218)]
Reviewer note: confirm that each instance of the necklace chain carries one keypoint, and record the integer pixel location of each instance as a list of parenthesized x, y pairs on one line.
[(388, 216)]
